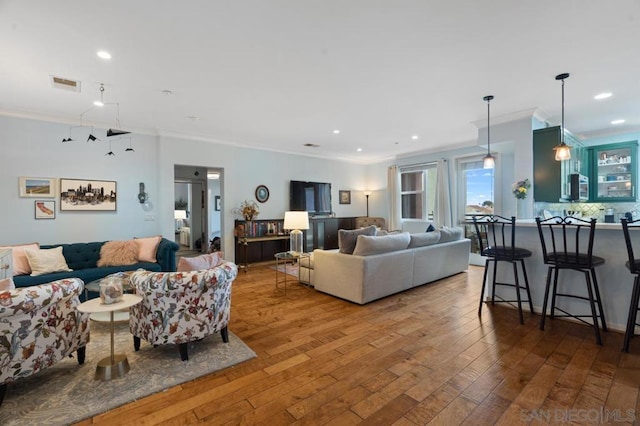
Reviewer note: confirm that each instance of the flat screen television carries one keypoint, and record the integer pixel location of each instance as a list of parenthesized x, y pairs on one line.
[(313, 197)]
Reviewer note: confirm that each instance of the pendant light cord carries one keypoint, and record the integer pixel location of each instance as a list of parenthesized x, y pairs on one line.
[(563, 111), (488, 126)]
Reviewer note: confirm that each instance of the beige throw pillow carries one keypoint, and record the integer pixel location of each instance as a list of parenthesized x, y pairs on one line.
[(45, 261), (7, 284), (20, 261), (147, 248), (198, 263), (115, 253)]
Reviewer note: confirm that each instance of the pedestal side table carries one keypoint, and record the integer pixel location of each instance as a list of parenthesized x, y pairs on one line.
[(115, 365)]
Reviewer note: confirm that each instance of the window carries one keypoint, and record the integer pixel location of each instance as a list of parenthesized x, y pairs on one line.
[(478, 188), (418, 191)]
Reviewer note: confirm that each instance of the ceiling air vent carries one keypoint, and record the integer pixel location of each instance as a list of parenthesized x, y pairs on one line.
[(65, 83)]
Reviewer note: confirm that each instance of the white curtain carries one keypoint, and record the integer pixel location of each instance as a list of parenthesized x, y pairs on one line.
[(393, 183), (442, 210)]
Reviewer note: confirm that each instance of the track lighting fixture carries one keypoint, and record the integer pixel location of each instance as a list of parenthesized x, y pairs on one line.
[(92, 138)]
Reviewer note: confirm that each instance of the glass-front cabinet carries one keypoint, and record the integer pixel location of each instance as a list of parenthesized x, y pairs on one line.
[(614, 172)]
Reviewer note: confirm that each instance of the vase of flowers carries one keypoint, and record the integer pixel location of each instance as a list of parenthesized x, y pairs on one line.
[(249, 210), (520, 190)]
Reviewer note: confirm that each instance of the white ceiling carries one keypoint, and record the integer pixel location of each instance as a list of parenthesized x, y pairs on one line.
[(277, 74)]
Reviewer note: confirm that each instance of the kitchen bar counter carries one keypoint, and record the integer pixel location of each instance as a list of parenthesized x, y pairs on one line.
[(614, 279)]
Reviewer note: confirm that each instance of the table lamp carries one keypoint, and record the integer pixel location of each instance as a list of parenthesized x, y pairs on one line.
[(178, 215), (295, 221)]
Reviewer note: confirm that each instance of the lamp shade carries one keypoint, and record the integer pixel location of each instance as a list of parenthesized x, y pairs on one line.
[(296, 220), (179, 214)]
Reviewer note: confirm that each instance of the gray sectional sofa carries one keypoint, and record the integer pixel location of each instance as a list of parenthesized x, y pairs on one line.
[(388, 264)]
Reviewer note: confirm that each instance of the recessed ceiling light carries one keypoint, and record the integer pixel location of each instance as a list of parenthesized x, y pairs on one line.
[(167, 92), (359, 149), (603, 95), (103, 54), (311, 145), (99, 103), (620, 121), (193, 117), (336, 131), (414, 137)]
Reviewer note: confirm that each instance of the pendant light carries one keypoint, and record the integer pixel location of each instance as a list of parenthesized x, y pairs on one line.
[(489, 160), (563, 151)]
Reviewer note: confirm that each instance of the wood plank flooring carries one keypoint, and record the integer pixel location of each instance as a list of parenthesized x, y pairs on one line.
[(416, 358)]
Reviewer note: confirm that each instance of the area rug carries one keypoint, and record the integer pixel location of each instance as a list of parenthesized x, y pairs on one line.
[(67, 392), (288, 269)]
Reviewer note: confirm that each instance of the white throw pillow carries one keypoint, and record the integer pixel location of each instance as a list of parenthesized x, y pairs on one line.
[(44, 261), (366, 245)]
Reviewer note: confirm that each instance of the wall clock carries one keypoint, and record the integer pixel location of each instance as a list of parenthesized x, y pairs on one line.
[(262, 193)]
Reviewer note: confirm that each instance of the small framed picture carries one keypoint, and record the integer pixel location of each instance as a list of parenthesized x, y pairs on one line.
[(262, 193), (35, 187), (44, 209), (344, 196), (217, 203)]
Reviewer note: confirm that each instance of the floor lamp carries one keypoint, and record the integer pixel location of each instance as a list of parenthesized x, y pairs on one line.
[(366, 194), (295, 221)]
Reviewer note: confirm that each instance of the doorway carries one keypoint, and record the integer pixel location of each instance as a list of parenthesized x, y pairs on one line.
[(197, 209)]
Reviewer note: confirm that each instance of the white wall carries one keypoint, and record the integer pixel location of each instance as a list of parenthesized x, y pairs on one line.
[(34, 148), (245, 169)]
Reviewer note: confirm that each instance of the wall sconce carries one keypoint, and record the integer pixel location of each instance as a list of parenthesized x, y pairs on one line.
[(563, 151), (142, 195), (366, 194), (489, 161)]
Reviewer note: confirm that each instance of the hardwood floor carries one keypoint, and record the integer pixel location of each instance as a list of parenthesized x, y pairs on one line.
[(416, 358)]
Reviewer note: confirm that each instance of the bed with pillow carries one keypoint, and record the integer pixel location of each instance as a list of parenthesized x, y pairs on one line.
[(35, 264)]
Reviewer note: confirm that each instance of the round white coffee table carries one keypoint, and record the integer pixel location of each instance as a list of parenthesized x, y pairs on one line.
[(115, 365)]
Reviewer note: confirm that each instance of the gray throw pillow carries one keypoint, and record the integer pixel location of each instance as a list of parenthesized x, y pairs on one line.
[(347, 238), (366, 246), (450, 234), (424, 239)]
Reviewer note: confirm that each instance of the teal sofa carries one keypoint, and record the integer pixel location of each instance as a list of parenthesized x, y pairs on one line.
[(83, 259)]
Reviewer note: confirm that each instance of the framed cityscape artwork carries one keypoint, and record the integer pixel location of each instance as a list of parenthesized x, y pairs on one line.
[(87, 195)]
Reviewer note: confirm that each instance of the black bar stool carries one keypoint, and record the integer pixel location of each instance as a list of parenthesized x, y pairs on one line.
[(567, 244), (634, 267), (496, 236)]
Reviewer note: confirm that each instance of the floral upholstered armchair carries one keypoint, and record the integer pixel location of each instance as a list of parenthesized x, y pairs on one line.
[(180, 307), (40, 326)]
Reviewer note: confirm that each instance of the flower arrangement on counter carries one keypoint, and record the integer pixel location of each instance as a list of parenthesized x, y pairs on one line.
[(248, 209), (521, 188)]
